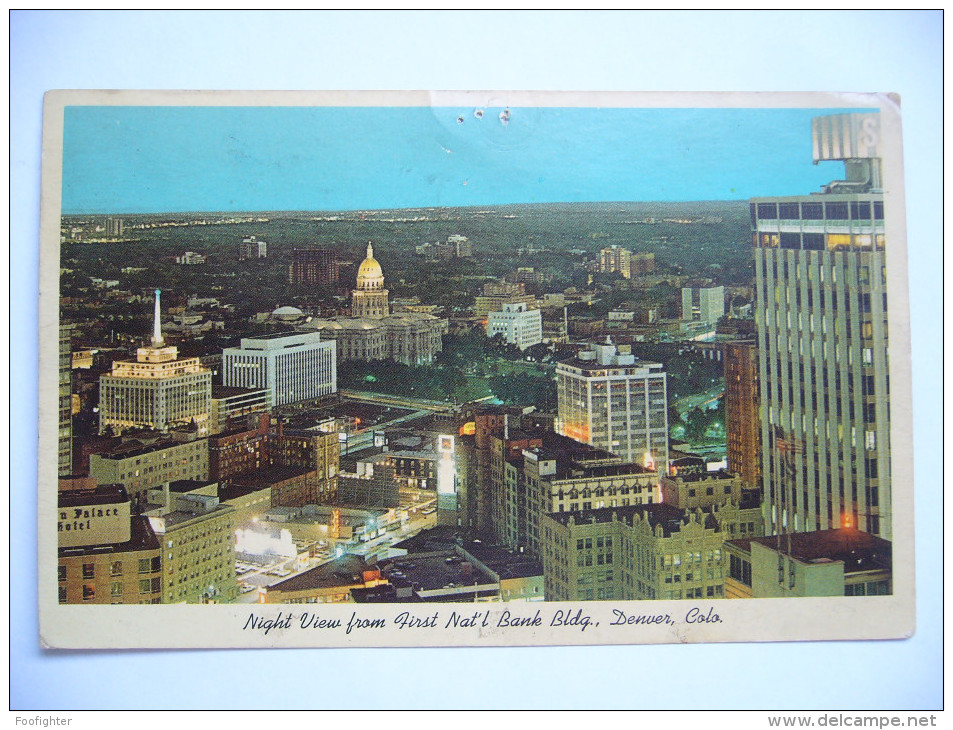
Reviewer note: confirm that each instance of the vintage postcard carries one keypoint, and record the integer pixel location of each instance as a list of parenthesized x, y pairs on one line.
[(473, 368)]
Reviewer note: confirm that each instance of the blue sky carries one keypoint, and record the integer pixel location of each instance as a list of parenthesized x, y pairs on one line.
[(165, 159)]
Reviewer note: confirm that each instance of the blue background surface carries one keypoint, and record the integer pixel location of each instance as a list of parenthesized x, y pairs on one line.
[(855, 51), (174, 159)]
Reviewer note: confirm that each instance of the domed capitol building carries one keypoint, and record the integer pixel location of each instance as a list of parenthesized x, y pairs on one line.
[(372, 332)]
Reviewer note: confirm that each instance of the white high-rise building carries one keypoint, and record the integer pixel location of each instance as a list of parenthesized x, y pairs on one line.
[(615, 403), (252, 248), (158, 390), (295, 367), (519, 325), (615, 259), (821, 312), (710, 306)]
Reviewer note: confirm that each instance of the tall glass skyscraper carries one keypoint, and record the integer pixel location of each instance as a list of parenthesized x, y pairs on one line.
[(821, 291)]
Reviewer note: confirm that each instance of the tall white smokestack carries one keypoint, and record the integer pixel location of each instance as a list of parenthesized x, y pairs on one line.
[(157, 340)]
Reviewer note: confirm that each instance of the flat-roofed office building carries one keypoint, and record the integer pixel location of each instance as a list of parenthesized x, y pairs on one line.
[(294, 367), (616, 403)]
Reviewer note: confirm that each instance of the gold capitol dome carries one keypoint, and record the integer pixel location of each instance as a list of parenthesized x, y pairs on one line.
[(370, 275)]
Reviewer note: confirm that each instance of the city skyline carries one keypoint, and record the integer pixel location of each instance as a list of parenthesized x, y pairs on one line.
[(443, 434), (240, 159)]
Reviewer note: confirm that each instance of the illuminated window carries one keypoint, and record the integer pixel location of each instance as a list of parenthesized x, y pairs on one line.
[(837, 241)]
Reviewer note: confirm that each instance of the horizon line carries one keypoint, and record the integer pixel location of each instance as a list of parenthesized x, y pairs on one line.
[(413, 207)]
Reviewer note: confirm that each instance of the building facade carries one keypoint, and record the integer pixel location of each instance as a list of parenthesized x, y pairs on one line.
[(106, 555), (252, 248), (294, 368), (314, 267), (556, 483), (742, 411), (317, 451), (641, 263), (642, 552), (65, 402), (704, 304), (373, 333), (238, 450), (615, 259), (615, 403), (518, 325), (823, 344), (197, 537), (158, 390), (141, 466), (842, 562), (230, 405)]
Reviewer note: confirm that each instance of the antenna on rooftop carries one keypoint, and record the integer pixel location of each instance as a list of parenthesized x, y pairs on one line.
[(157, 340)]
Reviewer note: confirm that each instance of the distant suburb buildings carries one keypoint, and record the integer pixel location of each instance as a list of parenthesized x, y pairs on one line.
[(314, 267), (821, 292), (373, 333), (628, 264), (616, 403), (157, 391)]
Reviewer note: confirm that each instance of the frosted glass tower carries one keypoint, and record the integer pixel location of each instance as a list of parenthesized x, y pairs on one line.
[(823, 343)]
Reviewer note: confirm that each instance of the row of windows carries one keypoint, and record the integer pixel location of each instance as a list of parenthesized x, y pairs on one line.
[(117, 589), (863, 210), (800, 241), (146, 565)]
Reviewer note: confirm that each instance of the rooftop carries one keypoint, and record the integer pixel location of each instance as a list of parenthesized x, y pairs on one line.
[(436, 538), (179, 517), (233, 491), (105, 494), (434, 571), (229, 391), (269, 475), (701, 476), (184, 486), (346, 570), (671, 518), (386, 593), (502, 561), (129, 449), (857, 550)]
